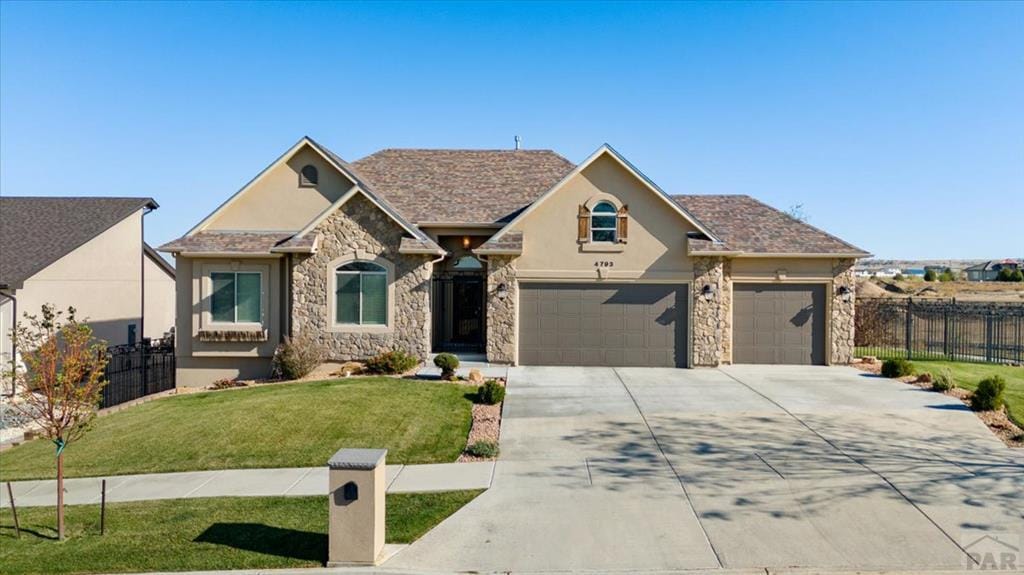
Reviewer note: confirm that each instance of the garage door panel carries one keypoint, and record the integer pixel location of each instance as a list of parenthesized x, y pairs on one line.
[(779, 323), (607, 324)]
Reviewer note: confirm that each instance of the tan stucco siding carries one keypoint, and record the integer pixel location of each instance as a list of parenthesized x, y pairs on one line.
[(159, 300), (276, 201), (786, 269), (193, 307), (656, 244), (101, 279)]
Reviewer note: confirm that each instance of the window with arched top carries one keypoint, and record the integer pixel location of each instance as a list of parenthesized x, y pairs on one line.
[(361, 294), (309, 176), (603, 221)]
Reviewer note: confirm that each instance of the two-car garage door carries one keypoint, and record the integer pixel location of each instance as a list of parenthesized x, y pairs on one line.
[(606, 324)]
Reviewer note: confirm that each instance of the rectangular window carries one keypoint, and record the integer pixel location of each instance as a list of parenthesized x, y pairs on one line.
[(237, 297), (361, 298)]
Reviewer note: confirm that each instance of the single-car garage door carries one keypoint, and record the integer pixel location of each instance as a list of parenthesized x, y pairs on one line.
[(778, 323), (606, 324)]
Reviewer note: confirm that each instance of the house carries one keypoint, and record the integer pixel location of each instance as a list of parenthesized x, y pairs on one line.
[(518, 255), (88, 253), (989, 271)]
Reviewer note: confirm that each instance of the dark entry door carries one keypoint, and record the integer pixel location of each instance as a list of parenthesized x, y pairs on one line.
[(458, 310)]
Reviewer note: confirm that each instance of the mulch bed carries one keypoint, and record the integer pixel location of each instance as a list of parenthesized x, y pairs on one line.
[(997, 421), (486, 426)]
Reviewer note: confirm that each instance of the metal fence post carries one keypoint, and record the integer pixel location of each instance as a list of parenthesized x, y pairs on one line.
[(909, 331)]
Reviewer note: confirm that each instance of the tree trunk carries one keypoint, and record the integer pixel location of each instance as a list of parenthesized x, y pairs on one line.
[(60, 497)]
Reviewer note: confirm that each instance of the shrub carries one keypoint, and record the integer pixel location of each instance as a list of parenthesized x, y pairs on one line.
[(395, 361), (1017, 276), (989, 395), (943, 381), (925, 377), (296, 357), (448, 364), (898, 367), (929, 276), (486, 449), (491, 393), (898, 277), (947, 275), (226, 384)]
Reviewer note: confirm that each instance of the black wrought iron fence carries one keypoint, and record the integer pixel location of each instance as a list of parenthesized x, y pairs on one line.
[(940, 329), (138, 370)]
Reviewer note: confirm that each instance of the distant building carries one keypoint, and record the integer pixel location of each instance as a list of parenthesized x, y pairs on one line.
[(989, 271)]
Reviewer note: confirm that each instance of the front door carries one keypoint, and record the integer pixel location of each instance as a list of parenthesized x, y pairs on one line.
[(458, 310)]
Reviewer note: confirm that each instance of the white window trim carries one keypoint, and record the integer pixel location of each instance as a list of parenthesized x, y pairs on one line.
[(206, 296), (332, 289), (382, 272), (615, 226)]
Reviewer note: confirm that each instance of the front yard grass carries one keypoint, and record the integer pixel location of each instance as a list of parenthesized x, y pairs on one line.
[(200, 534), (289, 425), (967, 376)]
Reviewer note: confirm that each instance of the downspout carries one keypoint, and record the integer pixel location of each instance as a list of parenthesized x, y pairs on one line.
[(14, 341)]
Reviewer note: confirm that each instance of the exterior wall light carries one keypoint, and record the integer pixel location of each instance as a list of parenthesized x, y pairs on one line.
[(465, 242), (502, 291), (845, 293), (708, 291)]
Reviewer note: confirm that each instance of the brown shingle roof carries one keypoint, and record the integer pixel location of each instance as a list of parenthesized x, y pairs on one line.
[(510, 243), (747, 225), (227, 243), (35, 231), (461, 186)]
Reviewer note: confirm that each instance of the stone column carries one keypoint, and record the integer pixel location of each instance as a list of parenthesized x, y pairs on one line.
[(841, 320), (356, 524), (501, 313), (709, 312)]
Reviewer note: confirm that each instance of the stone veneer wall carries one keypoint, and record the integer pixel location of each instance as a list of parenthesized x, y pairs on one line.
[(501, 313), (709, 316), (841, 319), (359, 225)]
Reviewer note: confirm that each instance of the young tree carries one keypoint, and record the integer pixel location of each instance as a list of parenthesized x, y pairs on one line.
[(929, 275), (61, 381)]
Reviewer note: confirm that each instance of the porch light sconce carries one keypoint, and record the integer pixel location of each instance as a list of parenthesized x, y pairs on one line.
[(845, 293), (502, 291), (708, 291), (465, 242)]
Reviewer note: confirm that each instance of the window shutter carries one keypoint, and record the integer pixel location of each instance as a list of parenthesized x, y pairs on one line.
[(584, 224), (622, 221)]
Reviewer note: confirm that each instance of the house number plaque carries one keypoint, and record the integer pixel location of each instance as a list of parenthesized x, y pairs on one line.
[(604, 264)]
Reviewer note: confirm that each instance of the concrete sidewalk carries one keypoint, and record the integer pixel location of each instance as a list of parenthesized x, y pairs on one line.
[(288, 482)]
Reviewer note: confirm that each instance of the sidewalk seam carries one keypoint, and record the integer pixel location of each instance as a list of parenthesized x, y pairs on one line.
[(296, 482), (201, 485)]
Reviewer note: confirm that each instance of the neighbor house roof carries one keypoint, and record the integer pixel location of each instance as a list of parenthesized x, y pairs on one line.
[(992, 265), (36, 231), (461, 186), (745, 225)]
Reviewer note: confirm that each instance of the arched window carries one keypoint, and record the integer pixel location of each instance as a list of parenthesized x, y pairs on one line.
[(361, 294), (309, 176), (602, 222), (467, 263)]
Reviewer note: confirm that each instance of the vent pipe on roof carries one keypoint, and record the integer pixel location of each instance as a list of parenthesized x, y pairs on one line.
[(519, 142)]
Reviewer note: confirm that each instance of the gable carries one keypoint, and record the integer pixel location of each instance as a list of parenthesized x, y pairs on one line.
[(275, 200), (657, 236)]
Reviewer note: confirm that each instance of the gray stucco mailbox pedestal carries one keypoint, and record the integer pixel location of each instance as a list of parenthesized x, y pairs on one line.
[(356, 533)]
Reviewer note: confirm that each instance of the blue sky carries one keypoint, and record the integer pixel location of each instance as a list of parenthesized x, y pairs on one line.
[(899, 127)]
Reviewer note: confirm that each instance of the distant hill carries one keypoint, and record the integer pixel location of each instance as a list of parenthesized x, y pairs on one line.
[(881, 264)]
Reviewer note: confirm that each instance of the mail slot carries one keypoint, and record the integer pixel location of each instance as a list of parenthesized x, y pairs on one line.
[(350, 491)]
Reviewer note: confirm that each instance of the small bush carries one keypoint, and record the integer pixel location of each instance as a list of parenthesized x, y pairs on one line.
[(395, 361), (491, 393), (925, 377), (929, 276), (486, 449), (943, 381), (226, 384), (296, 357), (448, 364), (947, 275), (898, 367), (989, 395)]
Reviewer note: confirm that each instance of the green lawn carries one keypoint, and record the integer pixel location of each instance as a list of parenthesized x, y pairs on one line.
[(292, 425), (199, 534), (967, 375)]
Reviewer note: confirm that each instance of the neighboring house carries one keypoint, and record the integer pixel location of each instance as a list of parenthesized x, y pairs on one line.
[(519, 255), (989, 271), (87, 253)]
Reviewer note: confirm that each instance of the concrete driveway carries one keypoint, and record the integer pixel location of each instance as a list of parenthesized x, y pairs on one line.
[(739, 467)]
